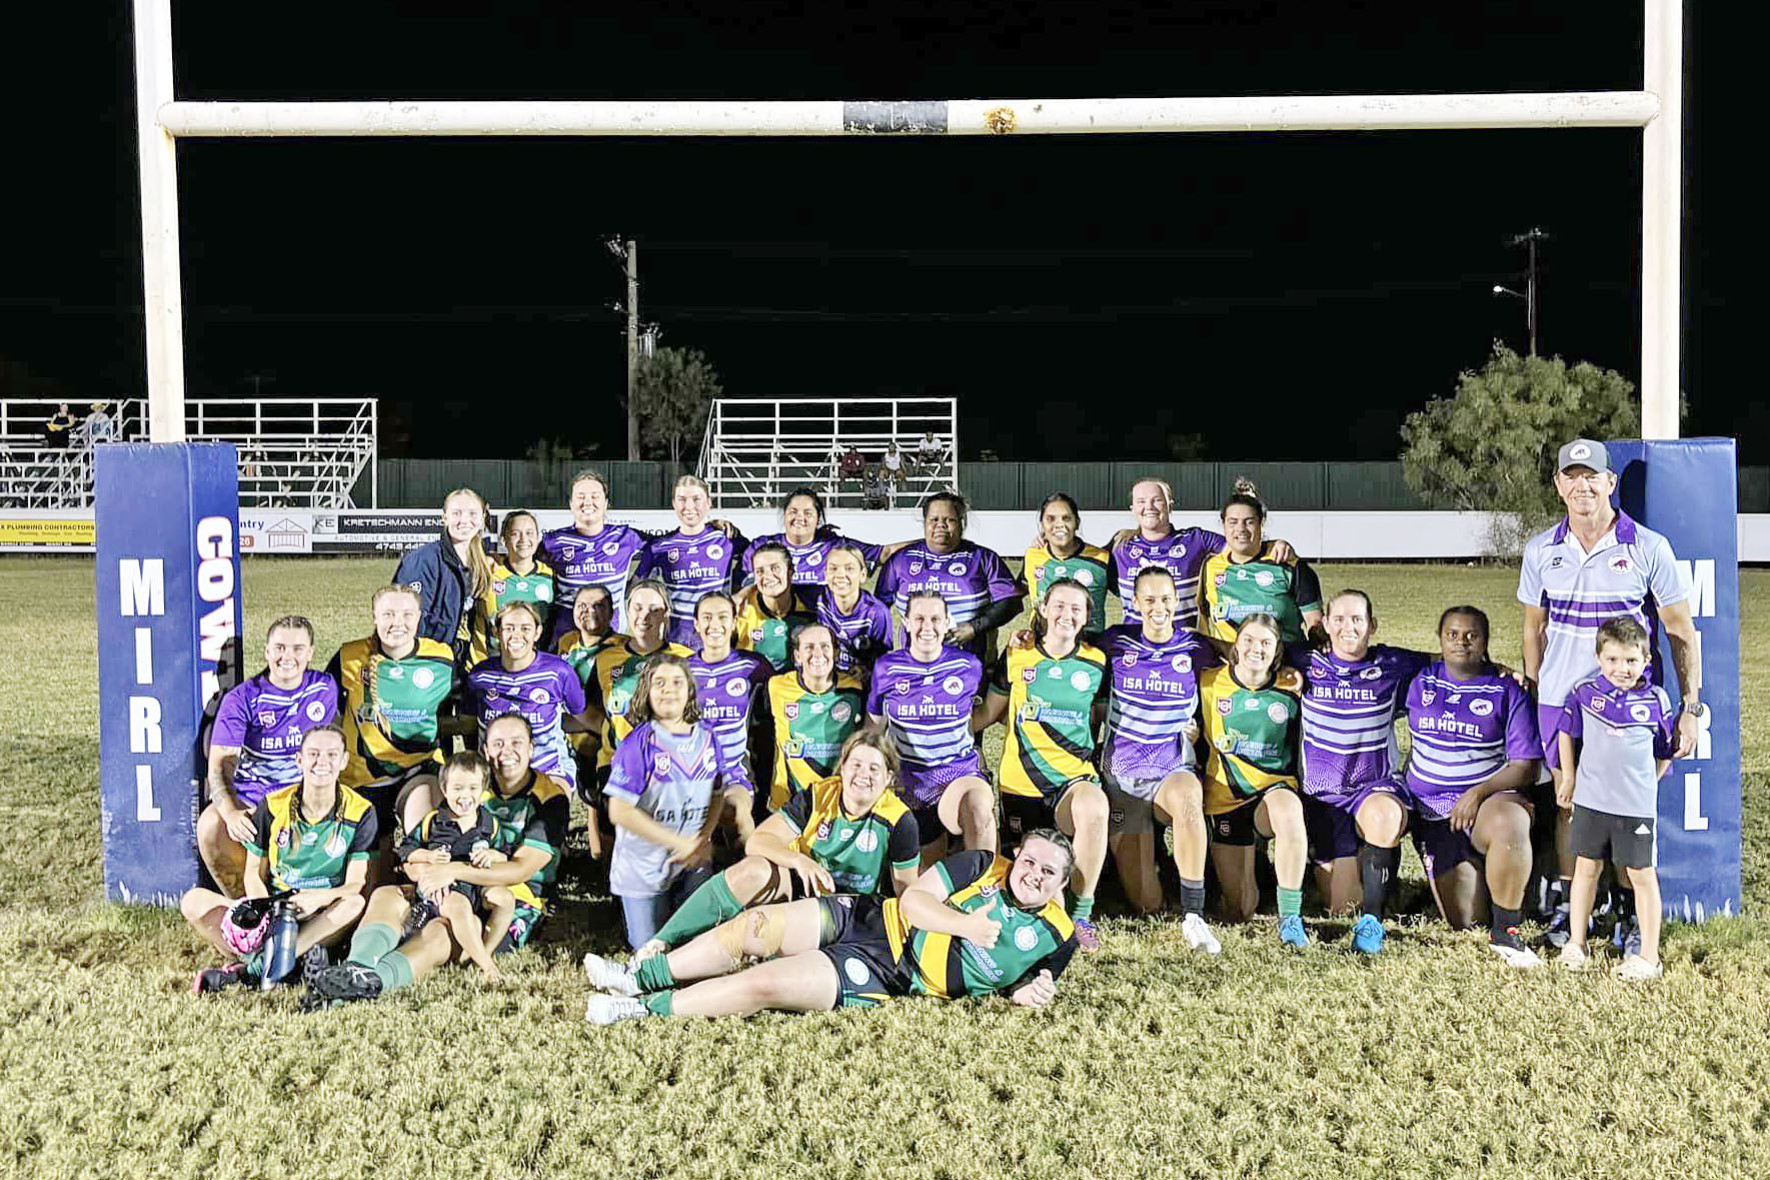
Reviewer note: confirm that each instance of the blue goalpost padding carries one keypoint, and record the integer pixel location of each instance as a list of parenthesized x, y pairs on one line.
[(1685, 489), (169, 616)]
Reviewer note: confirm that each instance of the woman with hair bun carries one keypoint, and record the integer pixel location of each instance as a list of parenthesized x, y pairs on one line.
[(1246, 578)]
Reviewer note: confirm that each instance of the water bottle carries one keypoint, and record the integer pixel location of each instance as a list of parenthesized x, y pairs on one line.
[(279, 948)]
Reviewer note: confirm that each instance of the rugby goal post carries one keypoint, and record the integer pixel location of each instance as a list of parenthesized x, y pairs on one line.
[(161, 119)]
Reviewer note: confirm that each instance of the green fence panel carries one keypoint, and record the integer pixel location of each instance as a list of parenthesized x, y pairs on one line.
[(1754, 489), (991, 487), (1368, 486)]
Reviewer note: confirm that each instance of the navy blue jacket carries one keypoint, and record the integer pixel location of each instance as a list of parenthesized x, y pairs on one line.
[(444, 588)]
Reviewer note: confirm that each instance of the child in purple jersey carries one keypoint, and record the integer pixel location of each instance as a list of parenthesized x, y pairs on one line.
[(860, 622), (728, 685), (253, 744), (542, 687), (928, 696), (808, 540), (1474, 754), (1149, 763), (979, 591), (1616, 738), (667, 786), (590, 551), (693, 559)]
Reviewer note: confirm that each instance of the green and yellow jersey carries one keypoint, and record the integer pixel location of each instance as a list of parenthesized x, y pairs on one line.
[(582, 657), (809, 729), (858, 853), (508, 586), (1050, 740), (941, 965), (616, 677), (388, 707), (317, 855), (1090, 566), (1251, 735), (535, 817), (1230, 591), (768, 634)]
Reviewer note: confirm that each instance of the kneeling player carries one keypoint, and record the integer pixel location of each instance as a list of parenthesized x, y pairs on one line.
[(974, 924)]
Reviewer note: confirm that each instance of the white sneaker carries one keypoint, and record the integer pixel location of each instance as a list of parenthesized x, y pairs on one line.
[(655, 947), (1635, 969), (1199, 936), (613, 1009), (1573, 958), (609, 976), (1522, 957)]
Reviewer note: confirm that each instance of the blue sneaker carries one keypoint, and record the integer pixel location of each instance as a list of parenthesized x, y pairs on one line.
[(1367, 935), (1291, 932)]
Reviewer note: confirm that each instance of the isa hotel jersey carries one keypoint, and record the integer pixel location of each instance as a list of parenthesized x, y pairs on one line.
[(605, 560), (969, 578), (542, 692), (1182, 553), (928, 709), (692, 565)]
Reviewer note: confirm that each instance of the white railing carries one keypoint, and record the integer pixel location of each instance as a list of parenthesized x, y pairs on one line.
[(756, 451), (294, 452)]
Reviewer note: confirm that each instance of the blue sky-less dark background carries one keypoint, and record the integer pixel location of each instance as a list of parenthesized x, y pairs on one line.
[(1286, 297)]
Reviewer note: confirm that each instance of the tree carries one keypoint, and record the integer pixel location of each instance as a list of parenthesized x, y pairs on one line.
[(674, 389), (1491, 447)]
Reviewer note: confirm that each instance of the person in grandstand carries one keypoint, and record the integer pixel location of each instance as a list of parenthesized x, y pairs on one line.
[(979, 591), (1048, 687), (812, 710), (860, 621), (1155, 541), (1250, 711), (391, 686), (693, 558), (619, 665), (929, 695), (517, 576), (666, 789), (252, 745), (591, 551), (1061, 553), (730, 684), (311, 841), (1352, 792), (533, 813), (1243, 578), (930, 451), (1596, 564), (1149, 760), (464, 831), (771, 609), (972, 925), (451, 574), (891, 462), (849, 834), (1474, 753), (541, 686), (808, 539)]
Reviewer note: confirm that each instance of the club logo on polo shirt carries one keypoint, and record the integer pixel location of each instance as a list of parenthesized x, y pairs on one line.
[(1620, 565), (1640, 712)]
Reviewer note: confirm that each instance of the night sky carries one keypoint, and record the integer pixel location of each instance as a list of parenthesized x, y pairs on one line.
[(1285, 297)]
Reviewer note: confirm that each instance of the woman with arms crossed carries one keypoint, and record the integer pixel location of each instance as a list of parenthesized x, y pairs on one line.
[(450, 574)]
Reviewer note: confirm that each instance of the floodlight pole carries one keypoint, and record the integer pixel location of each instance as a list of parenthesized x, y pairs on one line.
[(1662, 223), (162, 299)]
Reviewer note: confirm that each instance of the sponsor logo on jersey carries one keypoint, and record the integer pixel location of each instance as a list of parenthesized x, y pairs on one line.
[(1251, 703), (316, 710), (1026, 938), (903, 688), (1054, 672), (1481, 708), (756, 635), (915, 567), (661, 764), (1029, 674), (1555, 562), (1080, 681), (1224, 706), (395, 672), (842, 711), (1129, 659), (423, 677), (1455, 698), (498, 586), (952, 685), (817, 708), (267, 719), (1221, 580), (283, 838), (1427, 696), (1279, 712)]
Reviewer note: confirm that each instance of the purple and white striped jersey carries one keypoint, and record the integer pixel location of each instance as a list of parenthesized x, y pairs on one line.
[(1462, 732), (1182, 553), (861, 636), (728, 692), (927, 708), (267, 723), (1631, 572), (1349, 711), (1619, 735), (809, 558), (604, 560), (673, 778), (543, 693), (691, 566), (969, 578), (1154, 694)]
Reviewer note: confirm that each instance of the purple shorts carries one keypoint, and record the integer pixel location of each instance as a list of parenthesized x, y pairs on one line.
[(1332, 819), (1548, 725), (922, 786), (1441, 847)]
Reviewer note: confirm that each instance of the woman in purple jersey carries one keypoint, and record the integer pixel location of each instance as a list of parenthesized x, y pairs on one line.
[(1153, 540), (541, 686), (729, 683), (1474, 747), (694, 558), (977, 587), (808, 539), (591, 551), (861, 621)]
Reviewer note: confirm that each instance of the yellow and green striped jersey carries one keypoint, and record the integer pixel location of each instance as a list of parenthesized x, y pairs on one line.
[(1090, 566), (1230, 591), (1251, 735), (1051, 700), (941, 965)]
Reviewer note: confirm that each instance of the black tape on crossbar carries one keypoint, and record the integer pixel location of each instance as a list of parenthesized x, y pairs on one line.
[(894, 118)]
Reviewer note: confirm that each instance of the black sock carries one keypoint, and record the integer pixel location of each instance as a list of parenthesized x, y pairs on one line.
[(1504, 926), (1622, 903), (1192, 897), (1376, 868)]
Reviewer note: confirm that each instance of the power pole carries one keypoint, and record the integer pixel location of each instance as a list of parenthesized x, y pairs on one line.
[(632, 255), (1530, 240)]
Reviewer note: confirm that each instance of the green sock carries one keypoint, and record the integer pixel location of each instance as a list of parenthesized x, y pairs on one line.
[(1083, 909), (254, 963), (371, 942), (1290, 902), (661, 1003), (705, 908), (395, 971), (654, 974)]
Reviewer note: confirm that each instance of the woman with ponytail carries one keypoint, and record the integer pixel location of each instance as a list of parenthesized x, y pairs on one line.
[(1248, 577), (451, 573)]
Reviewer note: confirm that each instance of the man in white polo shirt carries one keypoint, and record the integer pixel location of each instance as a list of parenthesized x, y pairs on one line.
[(1593, 566)]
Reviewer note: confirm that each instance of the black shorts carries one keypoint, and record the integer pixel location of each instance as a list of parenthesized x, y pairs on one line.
[(928, 823), (1626, 841), (1236, 828), (383, 796), (854, 940), (1021, 814)]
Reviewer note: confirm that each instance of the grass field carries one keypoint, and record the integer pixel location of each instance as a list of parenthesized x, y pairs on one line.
[(1428, 1061)]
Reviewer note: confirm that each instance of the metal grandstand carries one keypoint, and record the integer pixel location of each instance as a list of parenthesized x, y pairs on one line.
[(756, 451), (294, 452)]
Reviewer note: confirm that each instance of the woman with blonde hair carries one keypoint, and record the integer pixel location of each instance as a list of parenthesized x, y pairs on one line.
[(450, 574)]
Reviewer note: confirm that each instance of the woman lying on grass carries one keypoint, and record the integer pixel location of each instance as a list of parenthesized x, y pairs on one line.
[(973, 924)]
